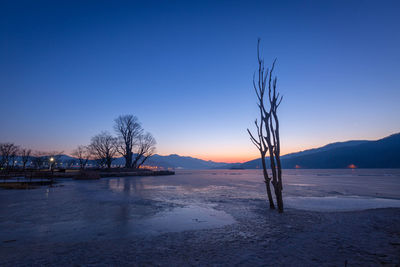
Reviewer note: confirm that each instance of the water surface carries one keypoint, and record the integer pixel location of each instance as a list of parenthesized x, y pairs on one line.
[(129, 206)]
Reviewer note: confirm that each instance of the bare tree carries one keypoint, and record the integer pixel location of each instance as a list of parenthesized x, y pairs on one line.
[(3, 157), (25, 156), (104, 148), (39, 159), (14, 157), (8, 153), (82, 154), (145, 149), (268, 138), (128, 130)]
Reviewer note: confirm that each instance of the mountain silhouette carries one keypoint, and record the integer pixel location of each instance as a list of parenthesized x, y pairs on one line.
[(383, 153)]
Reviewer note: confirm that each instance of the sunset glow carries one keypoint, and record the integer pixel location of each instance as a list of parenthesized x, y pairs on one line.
[(195, 95)]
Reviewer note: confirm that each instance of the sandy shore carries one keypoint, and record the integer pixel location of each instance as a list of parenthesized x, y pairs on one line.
[(253, 236)]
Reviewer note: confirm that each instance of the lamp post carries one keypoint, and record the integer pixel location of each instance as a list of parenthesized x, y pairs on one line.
[(51, 168), (51, 163)]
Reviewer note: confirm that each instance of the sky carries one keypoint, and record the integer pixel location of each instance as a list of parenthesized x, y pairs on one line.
[(185, 68)]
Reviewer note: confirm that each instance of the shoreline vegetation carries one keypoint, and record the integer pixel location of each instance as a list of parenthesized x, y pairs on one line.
[(20, 168), (130, 142), (31, 179)]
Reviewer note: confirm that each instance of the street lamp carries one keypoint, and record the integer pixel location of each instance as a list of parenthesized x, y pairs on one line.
[(51, 163)]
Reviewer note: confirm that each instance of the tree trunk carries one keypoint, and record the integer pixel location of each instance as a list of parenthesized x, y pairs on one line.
[(277, 153), (142, 162), (135, 162), (267, 183), (279, 185), (270, 198), (279, 200), (108, 163), (128, 160)]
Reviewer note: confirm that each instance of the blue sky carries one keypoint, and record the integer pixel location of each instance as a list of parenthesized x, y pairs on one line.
[(68, 68)]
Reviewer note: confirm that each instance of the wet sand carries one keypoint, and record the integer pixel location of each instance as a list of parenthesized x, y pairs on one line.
[(206, 218)]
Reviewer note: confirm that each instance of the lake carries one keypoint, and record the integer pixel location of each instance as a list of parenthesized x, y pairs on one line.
[(205, 217), (81, 210)]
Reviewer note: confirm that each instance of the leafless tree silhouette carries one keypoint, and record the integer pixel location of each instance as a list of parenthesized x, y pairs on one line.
[(25, 154), (268, 139), (128, 130), (104, 148), (82, 154), (145, 149), (39, 159), (8, 153)]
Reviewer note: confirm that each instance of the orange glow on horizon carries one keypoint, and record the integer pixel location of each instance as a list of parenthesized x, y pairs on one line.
[(237, 157), (233, 157), (227, 159), (230, 160), (221, 158)]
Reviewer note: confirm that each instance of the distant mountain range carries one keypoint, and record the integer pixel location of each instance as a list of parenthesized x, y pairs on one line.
[(383, 153), (177, 162), (171, 161)]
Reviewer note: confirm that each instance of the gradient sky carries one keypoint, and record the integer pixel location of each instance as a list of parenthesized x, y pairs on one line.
[(67, 69)]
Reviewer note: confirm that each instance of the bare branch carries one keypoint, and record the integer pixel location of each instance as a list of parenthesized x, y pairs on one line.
[(128, 129), (104, 148), (268, 129)]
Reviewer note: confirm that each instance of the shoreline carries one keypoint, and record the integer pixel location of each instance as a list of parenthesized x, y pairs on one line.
[(20, 182)]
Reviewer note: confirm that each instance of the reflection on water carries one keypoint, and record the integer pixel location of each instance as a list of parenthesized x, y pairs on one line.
[(126, 185)]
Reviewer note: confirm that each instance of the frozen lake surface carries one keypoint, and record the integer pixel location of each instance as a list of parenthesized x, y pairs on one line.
[(340, 203), (80, 210), (205, 217)]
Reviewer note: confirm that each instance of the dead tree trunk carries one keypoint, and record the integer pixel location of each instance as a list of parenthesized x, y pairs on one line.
[(267, 181), (274, 145), (260, 144), (268, 141)]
